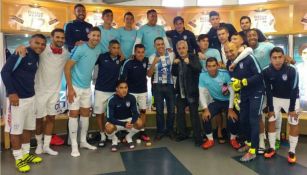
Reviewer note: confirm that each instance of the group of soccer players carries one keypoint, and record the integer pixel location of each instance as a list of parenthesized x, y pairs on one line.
[(222, 73)]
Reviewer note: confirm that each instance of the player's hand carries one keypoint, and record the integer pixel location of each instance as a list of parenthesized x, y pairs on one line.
[(169, 49), (21, 51), (201, 56), (232, 67), (293, 114), (206, 115), (129, 125), (271, 114), (187, 60), (232, 115), (71, 94), (176, 61), (235, 84), (14, 99), (78, 43), (289, 59)]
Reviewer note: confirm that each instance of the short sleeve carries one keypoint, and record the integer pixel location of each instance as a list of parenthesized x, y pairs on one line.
[(76, 53), (202, 78)]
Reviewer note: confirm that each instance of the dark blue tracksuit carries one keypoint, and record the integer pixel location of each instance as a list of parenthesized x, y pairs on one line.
[(135, 73), (108, 72), (76, 30), (251, 97), (119, 108), (18, 74), (186, 35), (281, 83)]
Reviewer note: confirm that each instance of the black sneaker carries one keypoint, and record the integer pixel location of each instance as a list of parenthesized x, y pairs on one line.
[(131, 145), (102, 143)]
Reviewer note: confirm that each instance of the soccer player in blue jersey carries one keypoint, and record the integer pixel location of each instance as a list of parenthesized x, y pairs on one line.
[(78, 73), (18, 76), (281, 82), (76, 31), (127, 35)]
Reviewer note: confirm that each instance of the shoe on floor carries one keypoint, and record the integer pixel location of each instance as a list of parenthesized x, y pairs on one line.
[(208, 144), (87, 146), (32, 158), (291, 158), (22, 166), (131, 145), (39, 149), (56, 140), (102, 143), (269, 153), (248, 157), (49, 151), (260, 151), (144, 137), (114, 148), (234, 143)]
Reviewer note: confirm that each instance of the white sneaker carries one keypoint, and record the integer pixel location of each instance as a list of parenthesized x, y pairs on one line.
[(39, 149), (87, 145), (75, 151), (49, 151)]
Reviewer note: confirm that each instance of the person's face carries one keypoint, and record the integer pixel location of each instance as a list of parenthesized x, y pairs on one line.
[(182, 49), (179, 26), (152, 18), (204, 43), (231, 51), (212, 68), (114, 49), (277, 60), (245, 24), (215, 21), (108, 18), (160, 46), (237, 40), (94, 37), (58, 39), (80, 13), (252, 38), (38, 45), (304, 55), (222, 36), (129, 20), (139, 54), (122, 89)]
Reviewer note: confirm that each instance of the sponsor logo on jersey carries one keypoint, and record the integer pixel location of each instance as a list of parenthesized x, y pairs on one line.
[(185, 37), (285, 77), (241, 66), (144, 65), (128, 103)]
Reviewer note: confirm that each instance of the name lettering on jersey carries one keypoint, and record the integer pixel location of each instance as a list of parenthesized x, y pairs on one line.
[(285, 77), (128, 103), (241, 66)]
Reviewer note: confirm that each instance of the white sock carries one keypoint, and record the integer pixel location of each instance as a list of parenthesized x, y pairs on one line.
[(103, 136), (209, 136), (84, 122), (143, 129), (73, 130), (39, 139), (17, 154), (278, 125), (131, 134), (47, 140), (272, 139), (232, 136), (25, 148), (293, 142), (261, 140)]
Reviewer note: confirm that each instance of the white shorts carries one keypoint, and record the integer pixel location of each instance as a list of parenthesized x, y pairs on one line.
[(21, 117), (281, 103), (101, 101), (141, 99), (119, 127), (82, 99), (45, 103)]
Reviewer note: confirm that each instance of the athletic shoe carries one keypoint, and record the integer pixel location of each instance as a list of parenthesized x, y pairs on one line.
[(131, 145), (39, 149), (248, 157), (114, 148), (56, 140), (269, 153), (260, 151), (49, 151), (208, 144), (87, 146), (22, 166), (291, 158), (243, 148), (277, 145), (102, 143), (144, 137), (75, 151), (32, 158), (234, 143)]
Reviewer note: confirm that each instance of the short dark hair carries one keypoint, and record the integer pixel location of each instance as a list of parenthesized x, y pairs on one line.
[(106, 11), (245, 17), (250, 30), (79, 5), (93, 29), (139, 46), (213, 13), (276, 49), (239, 34), (151, 11), (120, 81), (202, 36), (211, 59), (113, 41), (38, 35), (158, 38), (178, 18), (223, 28), (57, 30), (128, 14)]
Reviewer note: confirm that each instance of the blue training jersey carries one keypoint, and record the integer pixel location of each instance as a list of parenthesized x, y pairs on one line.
[(127, 40), (262, 53), (106, 37)]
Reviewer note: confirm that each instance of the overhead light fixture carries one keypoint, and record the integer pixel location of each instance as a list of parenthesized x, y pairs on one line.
[(270, 37), (173, 3), (300, 35), (26, 35)]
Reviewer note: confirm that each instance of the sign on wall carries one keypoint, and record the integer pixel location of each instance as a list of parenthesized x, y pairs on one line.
[(33, 18), (200, 23), (304, 21), (95, 18), (263, 20)]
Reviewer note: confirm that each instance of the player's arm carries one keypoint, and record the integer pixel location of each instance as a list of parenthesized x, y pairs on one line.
[(195, 64), (247, 51), (69, 37), (194, 43), (67, 71), (256, 78), (294, 90), (138, 40), (134, 110), (153, 60), (268, 90), (111, 106)]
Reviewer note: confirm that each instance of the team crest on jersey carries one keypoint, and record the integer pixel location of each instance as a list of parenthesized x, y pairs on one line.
[(144, 65), (285, 77), (128, 103), (87, 30), (241, 66), (117, 61), (185, 37)]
